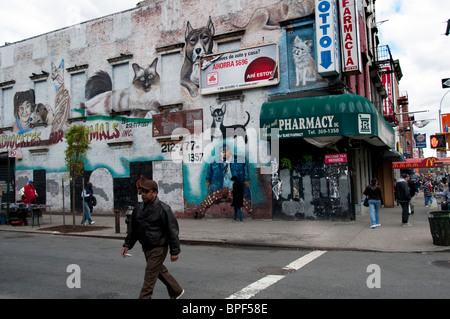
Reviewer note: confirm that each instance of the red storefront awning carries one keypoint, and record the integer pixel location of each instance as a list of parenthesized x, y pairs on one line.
[(417, 163)]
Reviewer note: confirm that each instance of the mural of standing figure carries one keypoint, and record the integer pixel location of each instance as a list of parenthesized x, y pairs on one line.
[(199, 42), (218, 179)]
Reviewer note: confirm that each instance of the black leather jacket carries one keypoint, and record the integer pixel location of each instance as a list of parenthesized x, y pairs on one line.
[(154, 225)]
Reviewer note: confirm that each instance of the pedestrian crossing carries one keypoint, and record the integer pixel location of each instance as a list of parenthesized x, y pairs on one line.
[(262, 284)]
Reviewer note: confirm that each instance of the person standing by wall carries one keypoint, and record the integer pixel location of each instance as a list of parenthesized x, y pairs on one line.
[(29, 196), (28, 192), (86, 195), (373, 192), (155, 226), (403, 196), (238, 198)]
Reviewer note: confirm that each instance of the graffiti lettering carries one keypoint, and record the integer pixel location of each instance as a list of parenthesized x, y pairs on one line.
[(127, 133), (20, 140), (101, 132), (56, 137)]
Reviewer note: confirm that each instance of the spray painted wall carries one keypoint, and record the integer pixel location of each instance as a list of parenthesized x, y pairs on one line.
[(123, 74)]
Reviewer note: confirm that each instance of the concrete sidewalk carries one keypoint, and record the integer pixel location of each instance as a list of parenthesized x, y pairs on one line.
[(306, 234)]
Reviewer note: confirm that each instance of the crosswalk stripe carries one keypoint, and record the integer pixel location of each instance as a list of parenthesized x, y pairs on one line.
[(258, 286)]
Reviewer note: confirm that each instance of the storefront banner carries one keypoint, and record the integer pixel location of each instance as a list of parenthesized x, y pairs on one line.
[(327, 34), (351, 57), (322, 116), (238, 70)]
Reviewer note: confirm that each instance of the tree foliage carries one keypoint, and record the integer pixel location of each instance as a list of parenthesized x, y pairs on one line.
[(78, 143)]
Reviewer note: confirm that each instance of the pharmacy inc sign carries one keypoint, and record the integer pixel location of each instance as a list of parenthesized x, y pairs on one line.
[(351, 55), (327, 34)]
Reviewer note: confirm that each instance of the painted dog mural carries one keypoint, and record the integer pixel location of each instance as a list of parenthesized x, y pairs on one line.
[(199, 42)]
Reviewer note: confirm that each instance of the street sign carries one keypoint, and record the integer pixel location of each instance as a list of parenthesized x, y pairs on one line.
[(15, 154), (446, 83), (327, 30)]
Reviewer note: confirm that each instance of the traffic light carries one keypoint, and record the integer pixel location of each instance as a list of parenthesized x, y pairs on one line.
[(438, 141)]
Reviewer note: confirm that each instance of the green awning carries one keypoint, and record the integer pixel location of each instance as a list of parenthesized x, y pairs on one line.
[(333, 115)]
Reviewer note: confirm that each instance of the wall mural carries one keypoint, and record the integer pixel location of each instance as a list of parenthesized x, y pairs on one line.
[(62, 100), (305, 66), (212, 178), (264, 24), (24, 107), (141, 98), (199, 42)]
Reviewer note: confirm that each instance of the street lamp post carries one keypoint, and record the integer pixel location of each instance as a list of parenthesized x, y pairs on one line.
[(440, 112)]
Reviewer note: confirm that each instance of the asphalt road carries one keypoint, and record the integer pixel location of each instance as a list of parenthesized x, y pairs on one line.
[(65, 267)]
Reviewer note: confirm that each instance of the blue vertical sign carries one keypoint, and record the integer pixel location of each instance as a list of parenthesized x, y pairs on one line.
[(327, 35)]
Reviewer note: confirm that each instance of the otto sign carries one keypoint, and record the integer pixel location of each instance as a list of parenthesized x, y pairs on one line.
[(327, 35), (351, 55)]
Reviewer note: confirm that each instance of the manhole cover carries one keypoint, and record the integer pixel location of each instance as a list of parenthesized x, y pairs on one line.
[(275, 270), (441, 263)]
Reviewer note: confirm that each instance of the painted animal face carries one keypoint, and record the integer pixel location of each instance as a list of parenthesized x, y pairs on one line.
[(218, 114), (301, 48), (145, 77), (199, 42)]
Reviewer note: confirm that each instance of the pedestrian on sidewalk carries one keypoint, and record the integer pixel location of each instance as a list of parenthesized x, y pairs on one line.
[(428, 191), (238, 198), (155, 226), (86, 196), (403, 197), (445, 198), (414, 190), (373, 193), (29, 196)]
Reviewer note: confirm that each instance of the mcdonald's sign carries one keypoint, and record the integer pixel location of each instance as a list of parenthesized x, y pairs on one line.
[(416, 163)]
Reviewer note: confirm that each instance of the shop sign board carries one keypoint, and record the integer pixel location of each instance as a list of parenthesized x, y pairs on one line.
[(388, 103), (351, 55), (327, 34), (240, 69), (336, 158)]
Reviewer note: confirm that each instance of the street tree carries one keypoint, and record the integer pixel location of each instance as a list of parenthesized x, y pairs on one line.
[(78, 143)]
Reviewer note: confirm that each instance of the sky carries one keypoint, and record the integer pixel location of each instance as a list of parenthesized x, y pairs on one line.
[(413, 30)]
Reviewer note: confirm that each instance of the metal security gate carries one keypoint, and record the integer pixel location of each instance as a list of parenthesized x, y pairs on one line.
[(4, 177)]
